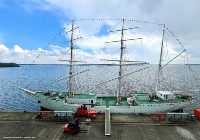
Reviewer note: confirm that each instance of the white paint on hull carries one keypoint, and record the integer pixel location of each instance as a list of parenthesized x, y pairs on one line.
[(60, 105)]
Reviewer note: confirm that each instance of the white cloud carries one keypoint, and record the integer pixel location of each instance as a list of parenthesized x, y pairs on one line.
[(92, 53), (181, 16), (3, 49), (21, 56), (17, 49)]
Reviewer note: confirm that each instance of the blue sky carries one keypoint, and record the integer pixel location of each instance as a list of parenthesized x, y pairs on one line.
[(29, 30), (27, 26)]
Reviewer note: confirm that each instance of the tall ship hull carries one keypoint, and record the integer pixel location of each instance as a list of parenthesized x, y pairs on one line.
[(137, 104)]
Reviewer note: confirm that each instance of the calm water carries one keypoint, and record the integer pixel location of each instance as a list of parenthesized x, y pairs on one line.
[(33, 77), (42, 77)]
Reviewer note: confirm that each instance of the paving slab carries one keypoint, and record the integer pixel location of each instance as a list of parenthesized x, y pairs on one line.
[(23, 125), (96, 131)]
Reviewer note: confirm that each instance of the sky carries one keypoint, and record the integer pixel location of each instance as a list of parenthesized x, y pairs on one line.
[(27, 27)]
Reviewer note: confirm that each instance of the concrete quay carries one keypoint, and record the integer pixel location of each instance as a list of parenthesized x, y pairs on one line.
[(123, 127), (95, 131)]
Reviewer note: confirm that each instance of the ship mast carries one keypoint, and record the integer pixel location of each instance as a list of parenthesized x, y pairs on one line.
[(120, 61), (71, 60), (160, 62), (121, 58)]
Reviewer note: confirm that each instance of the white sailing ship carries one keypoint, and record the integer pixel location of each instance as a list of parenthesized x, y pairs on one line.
[(137, 102)]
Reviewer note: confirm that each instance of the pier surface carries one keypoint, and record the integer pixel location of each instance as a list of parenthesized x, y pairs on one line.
[(122, 127)]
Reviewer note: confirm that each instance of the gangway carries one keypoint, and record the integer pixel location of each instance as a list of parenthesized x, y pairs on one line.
[(107, 122)]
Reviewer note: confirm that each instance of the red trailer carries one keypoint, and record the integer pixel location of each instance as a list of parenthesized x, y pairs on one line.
[(46, 114), (159, 116), (92, 114), (81, 113), (84, 112), (197, 113)]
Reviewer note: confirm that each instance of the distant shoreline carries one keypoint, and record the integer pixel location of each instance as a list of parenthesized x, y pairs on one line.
[(101, 64), (8, 65)]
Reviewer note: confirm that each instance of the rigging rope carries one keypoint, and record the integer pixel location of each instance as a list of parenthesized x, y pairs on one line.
[(146, 22)]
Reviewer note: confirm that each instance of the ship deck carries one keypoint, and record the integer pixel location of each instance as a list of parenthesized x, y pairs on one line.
[(141, 99), (107, 101)]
